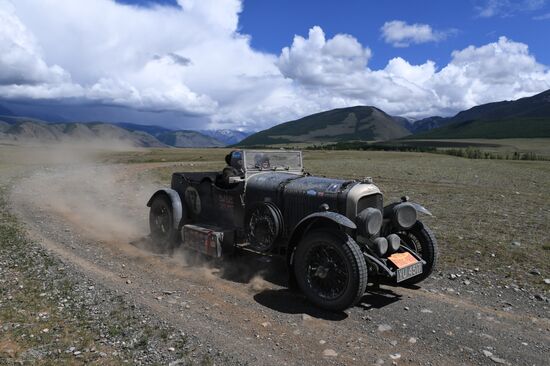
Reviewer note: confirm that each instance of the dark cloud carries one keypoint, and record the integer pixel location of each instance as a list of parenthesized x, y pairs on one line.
[(77, 110), (174, 57)]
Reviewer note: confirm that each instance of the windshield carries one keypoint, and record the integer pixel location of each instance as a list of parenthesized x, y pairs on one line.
[(256, 160)]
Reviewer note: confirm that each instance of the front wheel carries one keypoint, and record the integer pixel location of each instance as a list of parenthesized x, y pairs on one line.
[(161, 223), (330, 269), (422, 241)]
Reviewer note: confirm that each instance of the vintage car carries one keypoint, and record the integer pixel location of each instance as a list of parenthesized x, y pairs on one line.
[(336, 234)]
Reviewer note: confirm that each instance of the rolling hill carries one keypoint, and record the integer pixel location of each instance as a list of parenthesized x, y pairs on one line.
[(187, 138), (22, 129), (522, 118), (353, 123), (490, 129), (30, 130)]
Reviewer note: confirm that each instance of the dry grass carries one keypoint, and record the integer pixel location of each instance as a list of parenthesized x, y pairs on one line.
[(479, 206)]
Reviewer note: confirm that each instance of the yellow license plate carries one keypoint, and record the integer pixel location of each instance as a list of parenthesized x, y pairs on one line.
[(402, 260)]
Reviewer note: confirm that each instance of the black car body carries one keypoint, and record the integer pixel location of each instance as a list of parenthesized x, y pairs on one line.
[(334, 232)]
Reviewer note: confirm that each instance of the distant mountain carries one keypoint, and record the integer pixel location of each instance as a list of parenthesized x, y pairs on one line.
[(429, 123), (188, 139), (537, 106), (152, 130), (403, 122), (490, 129), (343, 124), (178, 138), (228, 137), (32, 130), (522, 118)]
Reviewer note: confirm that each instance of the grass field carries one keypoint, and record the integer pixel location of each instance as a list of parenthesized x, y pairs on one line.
[(480, 207), (539, 146)]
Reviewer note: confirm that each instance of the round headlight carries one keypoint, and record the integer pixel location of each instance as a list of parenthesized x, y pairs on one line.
[(369, 221), (405, 215), (394, 242), (381, 246)]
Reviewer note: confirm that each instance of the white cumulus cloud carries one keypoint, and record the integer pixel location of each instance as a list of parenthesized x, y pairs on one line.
[(401, 34), (501, 70), (193, 61)]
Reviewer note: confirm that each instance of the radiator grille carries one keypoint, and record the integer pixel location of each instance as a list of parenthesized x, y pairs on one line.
[(373, 200)]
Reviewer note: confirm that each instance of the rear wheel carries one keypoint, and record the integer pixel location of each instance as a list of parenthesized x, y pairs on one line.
[(161, 223), (330, 269), (421, 240)]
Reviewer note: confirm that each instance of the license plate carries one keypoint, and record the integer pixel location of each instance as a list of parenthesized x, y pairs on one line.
[(409, 271)]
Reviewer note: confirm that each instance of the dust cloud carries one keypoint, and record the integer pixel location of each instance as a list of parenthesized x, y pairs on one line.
[(106, 203), (259, 284)]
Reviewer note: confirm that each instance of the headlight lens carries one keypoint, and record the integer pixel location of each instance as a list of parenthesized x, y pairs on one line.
[(369, 221), (381, 246), (405, 215), (394, 242)]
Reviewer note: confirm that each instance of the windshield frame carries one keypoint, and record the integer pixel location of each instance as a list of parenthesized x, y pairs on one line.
[(251, 168)]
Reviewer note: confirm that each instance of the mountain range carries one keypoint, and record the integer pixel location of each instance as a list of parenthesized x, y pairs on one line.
[(26, 129), (523, 118)]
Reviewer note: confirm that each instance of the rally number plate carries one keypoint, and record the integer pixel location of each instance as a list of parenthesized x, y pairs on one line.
[(409, 271)]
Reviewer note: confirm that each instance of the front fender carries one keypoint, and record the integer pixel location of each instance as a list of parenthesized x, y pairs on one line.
[(303, 226), (388, 210), (421, 208), (332, 216), (177, 207)]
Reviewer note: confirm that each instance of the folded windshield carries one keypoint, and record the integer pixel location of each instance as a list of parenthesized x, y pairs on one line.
[(256, 160)]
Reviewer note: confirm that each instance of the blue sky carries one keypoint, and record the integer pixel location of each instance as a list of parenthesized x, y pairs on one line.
[(273, 24), (253, 63)]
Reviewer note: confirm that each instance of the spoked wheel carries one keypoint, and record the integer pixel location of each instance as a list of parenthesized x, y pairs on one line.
[(330, 269), (161, 223), (421, 240)]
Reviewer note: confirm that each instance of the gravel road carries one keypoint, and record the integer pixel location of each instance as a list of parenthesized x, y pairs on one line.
[(240, 311)]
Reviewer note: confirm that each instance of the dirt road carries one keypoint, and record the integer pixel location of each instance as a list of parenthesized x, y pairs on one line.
[(243, 310)]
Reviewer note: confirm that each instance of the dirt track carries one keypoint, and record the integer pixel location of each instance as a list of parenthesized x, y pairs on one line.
[(242, 308)]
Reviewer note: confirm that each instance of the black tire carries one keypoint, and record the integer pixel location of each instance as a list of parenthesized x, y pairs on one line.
[(421, 240), (161, 223), (330, 269)]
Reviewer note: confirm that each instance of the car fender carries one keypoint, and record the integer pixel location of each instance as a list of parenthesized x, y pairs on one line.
[(305, 224), (177, 207), (418, 207)]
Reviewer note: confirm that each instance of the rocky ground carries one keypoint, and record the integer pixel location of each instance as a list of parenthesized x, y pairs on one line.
[(51, 313), (74, 292)]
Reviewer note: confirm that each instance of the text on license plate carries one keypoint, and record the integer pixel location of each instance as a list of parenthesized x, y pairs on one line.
[(409, 271)]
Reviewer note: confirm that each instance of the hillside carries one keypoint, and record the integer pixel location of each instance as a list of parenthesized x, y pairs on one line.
[(188, 139), (429, 123), (101, 133), (353, 123), (537, 106), (525, 117), (24, 129), (492, 129), (227, 136)]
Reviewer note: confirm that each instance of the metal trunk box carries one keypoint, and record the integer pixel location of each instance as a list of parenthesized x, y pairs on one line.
[(204, 239)]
